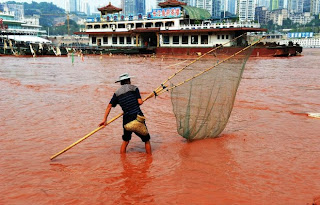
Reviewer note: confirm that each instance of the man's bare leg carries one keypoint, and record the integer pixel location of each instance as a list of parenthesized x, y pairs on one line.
[(148, 147), (123, 148)]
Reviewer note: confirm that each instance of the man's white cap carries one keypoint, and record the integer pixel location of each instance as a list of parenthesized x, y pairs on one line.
[(124, 76)]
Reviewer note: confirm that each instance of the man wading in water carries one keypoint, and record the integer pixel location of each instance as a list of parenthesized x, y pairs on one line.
[(129, 98)]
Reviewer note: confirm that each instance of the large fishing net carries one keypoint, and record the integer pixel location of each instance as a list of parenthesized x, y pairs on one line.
[(203, 104)]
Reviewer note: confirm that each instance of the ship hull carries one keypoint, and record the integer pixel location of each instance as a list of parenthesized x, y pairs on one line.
[(279, 51)]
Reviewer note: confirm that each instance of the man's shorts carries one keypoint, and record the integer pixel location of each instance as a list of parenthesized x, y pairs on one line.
[(127, 134)]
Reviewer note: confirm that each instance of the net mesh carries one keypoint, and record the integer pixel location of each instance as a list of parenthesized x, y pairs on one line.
[(203, 105)]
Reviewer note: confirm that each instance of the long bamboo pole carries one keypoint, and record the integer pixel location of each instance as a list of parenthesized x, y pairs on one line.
[(85, 137), (94, 131)]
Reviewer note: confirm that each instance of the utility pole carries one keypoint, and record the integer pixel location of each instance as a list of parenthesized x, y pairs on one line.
[(68, 23)]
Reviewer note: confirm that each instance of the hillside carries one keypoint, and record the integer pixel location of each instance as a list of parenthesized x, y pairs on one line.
[(52, 17), (48, 12)]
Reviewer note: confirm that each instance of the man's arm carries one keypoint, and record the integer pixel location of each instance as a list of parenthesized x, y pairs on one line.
[(140, 101), (106, 115)]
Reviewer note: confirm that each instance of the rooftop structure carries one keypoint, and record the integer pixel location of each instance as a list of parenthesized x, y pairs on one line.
[(20, 31), (109, 9), (171, 3)]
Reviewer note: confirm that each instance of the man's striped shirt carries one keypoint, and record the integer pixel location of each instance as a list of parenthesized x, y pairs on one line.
[(127, 97)]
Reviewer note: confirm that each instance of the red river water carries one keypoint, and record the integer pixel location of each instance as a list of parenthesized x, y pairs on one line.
[(269, 152)]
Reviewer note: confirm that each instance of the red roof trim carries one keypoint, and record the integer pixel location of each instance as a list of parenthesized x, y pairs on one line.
[(157, 30), (172, 3), (146, 30), (120, 33), (214, 30)]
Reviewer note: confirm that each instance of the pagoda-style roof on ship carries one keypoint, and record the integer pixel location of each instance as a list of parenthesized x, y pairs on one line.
[(171, 3), (196, 13), (109, 9)]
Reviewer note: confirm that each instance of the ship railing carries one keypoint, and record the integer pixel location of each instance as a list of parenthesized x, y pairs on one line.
[(189, 26), (219, 25)]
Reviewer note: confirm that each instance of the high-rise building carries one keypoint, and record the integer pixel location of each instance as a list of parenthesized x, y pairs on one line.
[(190, 2), (217, 7), (232, 6), (265, 3), (71, 6), (315, 7), (128, 7), (84, 7), (210, 5), (274, 4), (17, 9), (306, 5), (32, 20), (140, 6), (281, 4), (1, 7), (133, 7), (295, 6), (246, 10), (278, 16), (227, 7), (262, 14)]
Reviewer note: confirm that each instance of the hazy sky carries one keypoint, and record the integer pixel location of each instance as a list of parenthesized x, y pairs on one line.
[(93, 3)]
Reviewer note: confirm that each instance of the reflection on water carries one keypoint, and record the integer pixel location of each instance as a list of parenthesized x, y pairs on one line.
[(136, 176), (268, 153)]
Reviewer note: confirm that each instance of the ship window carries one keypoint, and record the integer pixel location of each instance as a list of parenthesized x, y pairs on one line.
[(139, 25), (105, 40), (148, 25), (218, 36), (176, 40), (185, 40), (89, 27), (94, 40), (104, 25), (159, 24), (121, 40), (227, 36), (97, 26), (114, 40), (222, 36), (113, 26), (204, 39), (169, 24), (121, 25), (131, 25), (165, 39), (194, 39), (129, 40)]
